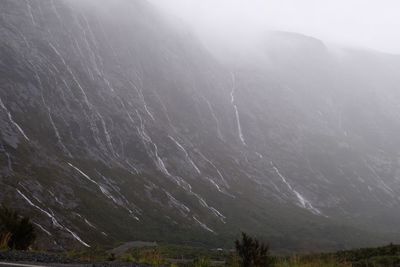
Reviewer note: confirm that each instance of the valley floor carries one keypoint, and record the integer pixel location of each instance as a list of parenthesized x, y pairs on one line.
[(173, 255)]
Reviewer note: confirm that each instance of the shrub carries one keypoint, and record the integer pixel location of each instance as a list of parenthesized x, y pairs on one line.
[(111, 257), (252, 253), (128, 258), (202, 262), (233, 260), (4, 239), (152, 257), (15, 232)]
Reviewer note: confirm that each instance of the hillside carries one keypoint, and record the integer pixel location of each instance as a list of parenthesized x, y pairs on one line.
[(124, 127)]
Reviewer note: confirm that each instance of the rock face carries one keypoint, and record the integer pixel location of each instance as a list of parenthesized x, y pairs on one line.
[(117, 126)]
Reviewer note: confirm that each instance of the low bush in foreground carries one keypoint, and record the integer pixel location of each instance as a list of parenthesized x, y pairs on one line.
[(15, 232)]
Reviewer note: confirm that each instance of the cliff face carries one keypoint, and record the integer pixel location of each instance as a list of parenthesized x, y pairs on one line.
[(116, 126)]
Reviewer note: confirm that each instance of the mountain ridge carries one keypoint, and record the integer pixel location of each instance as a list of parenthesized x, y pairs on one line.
[(119, 128)]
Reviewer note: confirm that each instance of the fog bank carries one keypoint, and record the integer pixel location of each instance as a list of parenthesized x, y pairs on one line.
[(368, 24)]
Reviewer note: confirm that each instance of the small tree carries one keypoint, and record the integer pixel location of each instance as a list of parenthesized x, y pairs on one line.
[(18, 233), (251, 252)]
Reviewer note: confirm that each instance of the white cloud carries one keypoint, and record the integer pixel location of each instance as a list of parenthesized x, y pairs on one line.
[(367, 23)]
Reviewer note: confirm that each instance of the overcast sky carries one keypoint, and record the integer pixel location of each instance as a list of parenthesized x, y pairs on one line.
[(367, 23)]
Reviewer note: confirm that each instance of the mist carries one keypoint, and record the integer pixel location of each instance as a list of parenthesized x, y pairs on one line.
[(174, 125), (228, 23)]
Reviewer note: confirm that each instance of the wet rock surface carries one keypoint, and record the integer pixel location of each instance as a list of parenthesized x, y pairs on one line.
[(117, 128)]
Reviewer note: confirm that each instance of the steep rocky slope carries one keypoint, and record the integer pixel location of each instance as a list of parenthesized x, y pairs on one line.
[(117, 126)]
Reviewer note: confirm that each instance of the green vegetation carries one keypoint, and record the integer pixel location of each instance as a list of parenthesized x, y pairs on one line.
[(313, 261), (93, 254), (248, 251), (252, 253), (189, 252), (387, 256), (15, 232), (202, 262), (165, 255)]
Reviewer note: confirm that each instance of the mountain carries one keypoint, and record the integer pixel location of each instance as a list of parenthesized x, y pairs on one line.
[(116, 125)]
